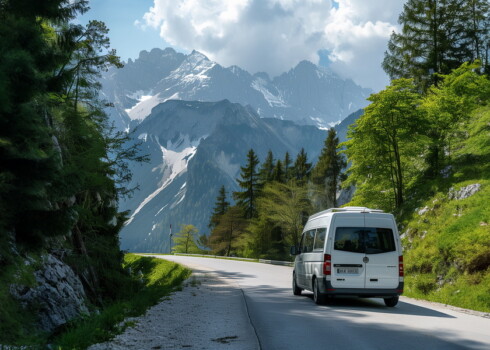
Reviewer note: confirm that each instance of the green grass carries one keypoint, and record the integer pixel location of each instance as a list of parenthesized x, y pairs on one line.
[(447, 249), (154, 279)]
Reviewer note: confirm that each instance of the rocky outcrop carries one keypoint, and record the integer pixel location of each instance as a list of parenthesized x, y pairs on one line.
[(464, 192), (58, 296)]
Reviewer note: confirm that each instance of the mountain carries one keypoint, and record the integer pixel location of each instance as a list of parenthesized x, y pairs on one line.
[(307, 94), (194, 148)]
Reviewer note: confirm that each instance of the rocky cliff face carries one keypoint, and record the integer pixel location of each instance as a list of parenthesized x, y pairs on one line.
[(57, 297)]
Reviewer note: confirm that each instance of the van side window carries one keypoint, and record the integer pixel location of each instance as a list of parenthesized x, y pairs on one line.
[(319, 239), (308, 238)]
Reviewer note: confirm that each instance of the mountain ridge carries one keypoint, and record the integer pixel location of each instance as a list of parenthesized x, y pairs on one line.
[(307, 94)]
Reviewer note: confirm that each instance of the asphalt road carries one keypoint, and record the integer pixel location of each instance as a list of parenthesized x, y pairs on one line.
[(284, 321)]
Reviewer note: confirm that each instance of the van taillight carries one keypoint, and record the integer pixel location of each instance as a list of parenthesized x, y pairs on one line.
[(400, 266), (327, 264)]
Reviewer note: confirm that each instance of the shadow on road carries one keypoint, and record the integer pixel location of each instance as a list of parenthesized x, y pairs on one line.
[(346, 323)]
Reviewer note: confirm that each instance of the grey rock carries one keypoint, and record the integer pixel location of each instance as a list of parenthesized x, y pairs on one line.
[(423, 210), (345, 195), (446, 171), (464, 192), (58, 296)]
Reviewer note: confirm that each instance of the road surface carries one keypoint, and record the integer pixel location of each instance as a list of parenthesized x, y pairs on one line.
[(284, 321)]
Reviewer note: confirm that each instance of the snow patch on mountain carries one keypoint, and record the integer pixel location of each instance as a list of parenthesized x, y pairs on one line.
[(259, 84), (180, 196), (145, 104), (175, 158)]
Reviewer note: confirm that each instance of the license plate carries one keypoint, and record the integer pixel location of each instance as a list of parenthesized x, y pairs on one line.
[(348, 270)]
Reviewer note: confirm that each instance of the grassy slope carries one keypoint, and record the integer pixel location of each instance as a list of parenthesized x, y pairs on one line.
[(447, 249)]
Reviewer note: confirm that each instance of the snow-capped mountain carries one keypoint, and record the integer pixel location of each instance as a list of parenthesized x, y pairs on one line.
[(194, 148), (307, 94)]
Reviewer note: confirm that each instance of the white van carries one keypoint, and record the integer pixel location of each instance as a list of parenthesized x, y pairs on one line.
[(351, 251)]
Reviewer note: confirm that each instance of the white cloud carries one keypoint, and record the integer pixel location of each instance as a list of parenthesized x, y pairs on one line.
[(274, 35)]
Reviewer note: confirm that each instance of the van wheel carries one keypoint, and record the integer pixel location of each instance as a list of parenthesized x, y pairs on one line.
[(318, 297), (390, 302), (296, 290)]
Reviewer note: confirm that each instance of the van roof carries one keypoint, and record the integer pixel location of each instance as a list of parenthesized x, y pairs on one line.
[(346, 209)]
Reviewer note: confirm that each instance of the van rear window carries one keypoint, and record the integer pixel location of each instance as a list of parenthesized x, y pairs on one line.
[(367, 240)]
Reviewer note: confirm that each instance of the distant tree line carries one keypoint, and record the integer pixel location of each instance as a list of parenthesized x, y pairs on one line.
[(275, 199)]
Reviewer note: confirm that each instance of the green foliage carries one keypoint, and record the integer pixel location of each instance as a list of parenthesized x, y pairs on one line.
[(285, 205), (449, 104), (219, 209), (385, 145), (15, 324), (186, 240), (327, 173), (301, 168), (225, 237), (249, 182), (153, 279), (437, 36), (266, 168), (447, 249), (62, 166)]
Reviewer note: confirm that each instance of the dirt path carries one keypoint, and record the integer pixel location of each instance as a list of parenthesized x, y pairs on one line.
[(209, 313)]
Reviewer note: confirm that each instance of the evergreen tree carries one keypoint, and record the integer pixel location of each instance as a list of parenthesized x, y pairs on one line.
[(278, 172), (287, 166), (437, 36), (30, 164), (301, 169), (220, 208), (328, 171), (266, 168), (224, 239), (249, 182)]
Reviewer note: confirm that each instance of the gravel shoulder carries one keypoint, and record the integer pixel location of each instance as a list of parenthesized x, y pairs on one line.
[(209, 313)]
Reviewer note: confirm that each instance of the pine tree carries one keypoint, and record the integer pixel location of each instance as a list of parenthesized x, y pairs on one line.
[(249, 182), (287, 166), (266, 169), (437, 36), (224, 237), (220, 208), (301, 169), (327, 172), (278, 172)]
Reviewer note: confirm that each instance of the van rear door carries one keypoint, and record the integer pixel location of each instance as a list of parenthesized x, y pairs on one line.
[(381, 252), (347, 252)]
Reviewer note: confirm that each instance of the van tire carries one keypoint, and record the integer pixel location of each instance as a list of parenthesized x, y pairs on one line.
[(390, 302), (318, 297), (296, 290)]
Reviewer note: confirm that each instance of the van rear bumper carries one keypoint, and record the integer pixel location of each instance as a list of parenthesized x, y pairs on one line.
[(327, 289)]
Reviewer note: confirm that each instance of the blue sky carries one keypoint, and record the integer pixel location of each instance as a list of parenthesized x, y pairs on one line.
[(349, 36), (120, 16)]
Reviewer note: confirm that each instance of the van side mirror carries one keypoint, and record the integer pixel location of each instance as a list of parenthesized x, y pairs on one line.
[(294, 250)]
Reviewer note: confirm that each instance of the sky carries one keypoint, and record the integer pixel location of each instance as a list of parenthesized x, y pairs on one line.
[(349, 36)]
